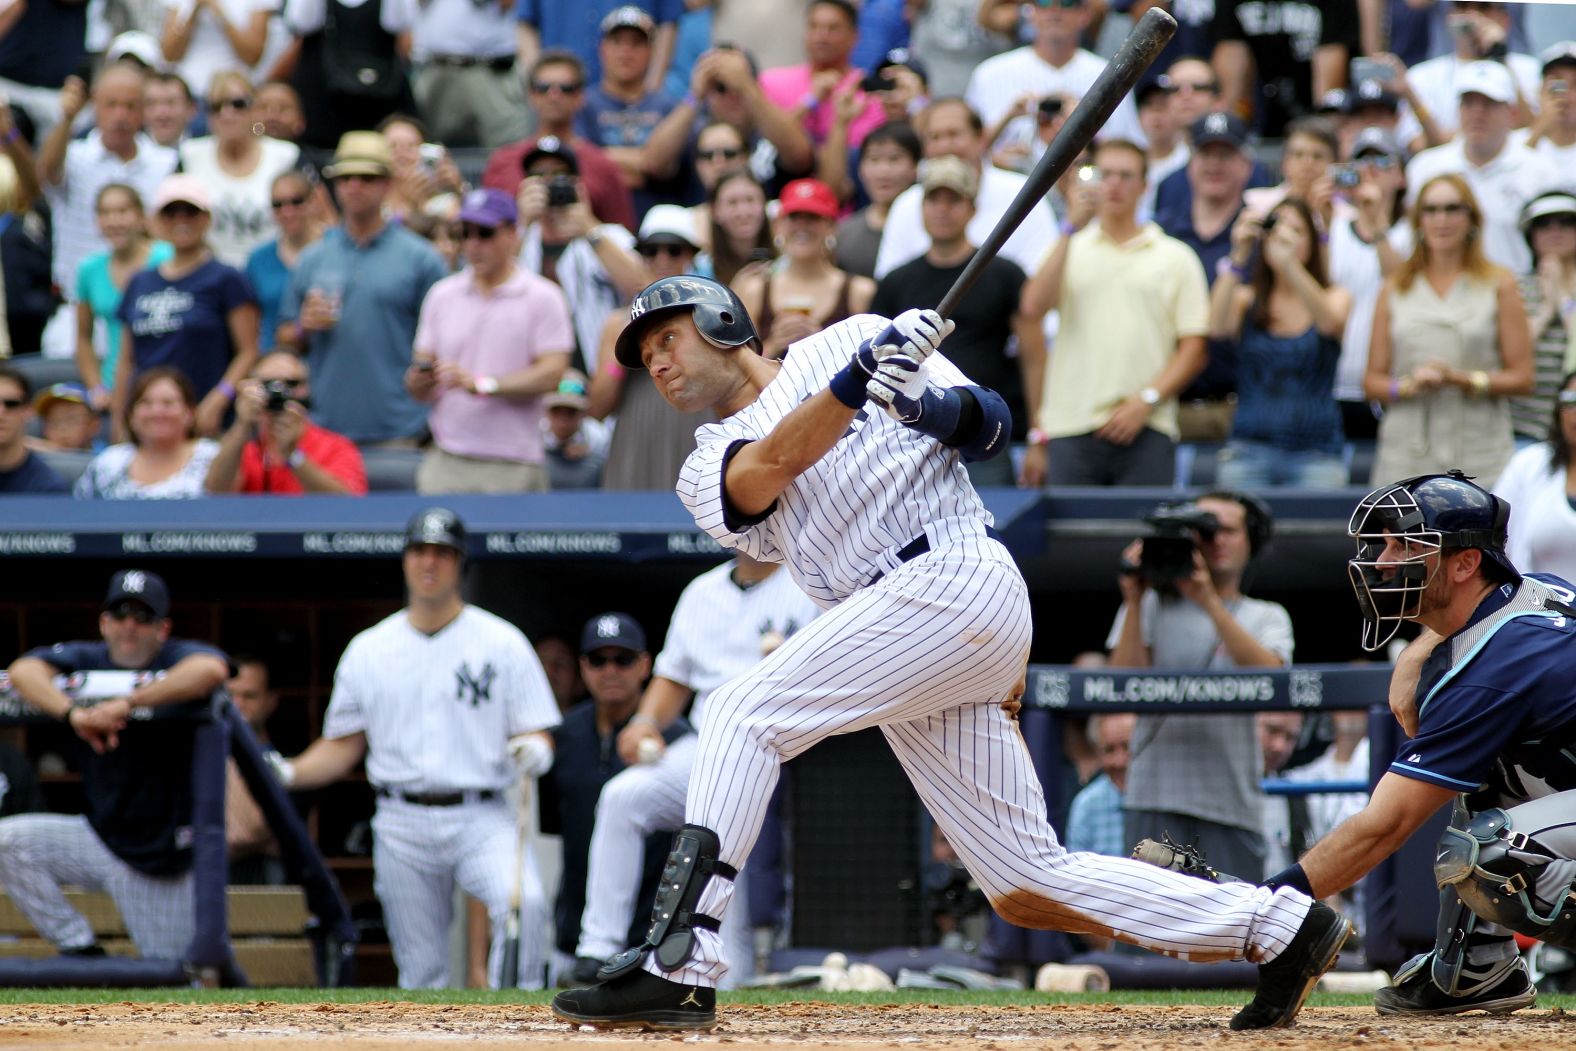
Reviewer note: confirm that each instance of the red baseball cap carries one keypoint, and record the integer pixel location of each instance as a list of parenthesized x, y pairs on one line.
[(809, 196)]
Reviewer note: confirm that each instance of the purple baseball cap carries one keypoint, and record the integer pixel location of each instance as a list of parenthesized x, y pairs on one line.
[(489, 208)]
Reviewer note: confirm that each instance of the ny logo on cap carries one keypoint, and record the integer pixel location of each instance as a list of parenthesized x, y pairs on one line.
[(607, 627), (134, 582), (1215, 123), (433, 523), (549, 144)]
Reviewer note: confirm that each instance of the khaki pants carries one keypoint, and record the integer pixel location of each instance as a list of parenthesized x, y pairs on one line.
[(471, 105), (445, 472)]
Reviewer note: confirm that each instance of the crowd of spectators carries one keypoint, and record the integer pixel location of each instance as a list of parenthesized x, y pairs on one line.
[(1350, 223)]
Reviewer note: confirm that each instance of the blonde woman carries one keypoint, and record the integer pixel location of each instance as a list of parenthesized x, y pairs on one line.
[(1450, 345)]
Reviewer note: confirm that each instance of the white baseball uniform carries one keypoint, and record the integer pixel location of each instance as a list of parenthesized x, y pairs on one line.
[(718, 632), (438, 711), (926, 649)]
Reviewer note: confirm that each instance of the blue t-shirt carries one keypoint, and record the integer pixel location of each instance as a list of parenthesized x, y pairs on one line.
[(139, 795), (1286, 390), (607, 121), (577, 26), (1508, 717), (269, 277), (185, 323), (47, 43), (358, 366), (32, 475), (98, 291)]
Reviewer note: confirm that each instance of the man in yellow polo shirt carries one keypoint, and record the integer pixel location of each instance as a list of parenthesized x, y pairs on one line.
[(1134, 312)]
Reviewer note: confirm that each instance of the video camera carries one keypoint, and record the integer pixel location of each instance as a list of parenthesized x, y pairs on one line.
[(1176, 529)]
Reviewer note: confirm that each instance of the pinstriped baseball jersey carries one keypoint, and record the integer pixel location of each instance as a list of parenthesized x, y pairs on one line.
[(719, 630), (438, 710), (844, 519)]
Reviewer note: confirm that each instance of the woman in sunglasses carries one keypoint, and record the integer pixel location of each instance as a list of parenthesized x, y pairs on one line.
[(237, 163), (804, 291), (1540, 483), (191, 312), (1369, 240), (270, 265), (1450, 345), (162, 458), (1548, 222), (101, 281), (719, 149)]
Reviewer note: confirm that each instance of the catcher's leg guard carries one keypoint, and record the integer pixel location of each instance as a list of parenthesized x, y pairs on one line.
[(1452, 932), (674, 920), (1508, 877)]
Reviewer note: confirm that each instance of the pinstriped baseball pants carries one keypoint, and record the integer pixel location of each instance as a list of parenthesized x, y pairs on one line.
[(927, 654), (39, 852)]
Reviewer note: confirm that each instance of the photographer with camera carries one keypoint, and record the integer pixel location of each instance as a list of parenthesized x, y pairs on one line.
[(1195, 777), (273, 447), (594, 263)]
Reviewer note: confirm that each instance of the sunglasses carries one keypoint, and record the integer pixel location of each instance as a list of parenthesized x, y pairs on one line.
[(1379, 161), (180, 209), (1564, 222), (481, 233), (542, 87), (292, 202), (131, 611), (237, 104), (671, 251), (1066, 5), (358, 177), (12, 403), (722, 153), (1453, 208), (602, 660), (1208, 87)]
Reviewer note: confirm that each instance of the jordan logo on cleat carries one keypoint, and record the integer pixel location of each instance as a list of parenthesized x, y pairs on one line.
[(690, 1001)]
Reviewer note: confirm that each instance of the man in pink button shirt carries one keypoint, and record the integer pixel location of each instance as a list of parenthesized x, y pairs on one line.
[(805, 92), (491, 341)]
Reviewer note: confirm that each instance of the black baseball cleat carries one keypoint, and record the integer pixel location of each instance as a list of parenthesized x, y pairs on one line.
[(1416, 994), (1286, 981), (638, 1000)]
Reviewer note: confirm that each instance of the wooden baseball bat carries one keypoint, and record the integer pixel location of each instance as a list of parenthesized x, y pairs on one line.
[(509, 964), (1137, 53)]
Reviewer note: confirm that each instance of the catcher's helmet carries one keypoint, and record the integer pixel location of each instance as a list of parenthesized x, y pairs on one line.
[(436, 525), (1433, 512), (719, 315)]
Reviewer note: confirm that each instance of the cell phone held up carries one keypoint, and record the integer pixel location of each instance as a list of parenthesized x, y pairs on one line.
[(875, 82), (1048, 109)]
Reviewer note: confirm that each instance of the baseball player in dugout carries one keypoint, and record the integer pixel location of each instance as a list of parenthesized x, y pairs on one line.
[(614, 665), (1484, 694), (845, 462), (1183, 608), (448, 705), (725, 622), (134, 841)]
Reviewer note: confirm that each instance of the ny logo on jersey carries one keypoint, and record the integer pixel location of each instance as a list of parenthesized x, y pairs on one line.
[(474, 688)]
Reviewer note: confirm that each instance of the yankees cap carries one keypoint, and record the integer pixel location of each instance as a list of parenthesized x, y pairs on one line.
[(613, 629), (138, 585)]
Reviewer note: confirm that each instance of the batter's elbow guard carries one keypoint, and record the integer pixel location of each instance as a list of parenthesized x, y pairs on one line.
[(986, 430)]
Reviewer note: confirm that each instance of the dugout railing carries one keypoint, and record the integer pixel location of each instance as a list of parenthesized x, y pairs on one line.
[(219, 733)]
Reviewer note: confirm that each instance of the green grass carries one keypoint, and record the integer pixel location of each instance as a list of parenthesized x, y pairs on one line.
[(1203, 997)]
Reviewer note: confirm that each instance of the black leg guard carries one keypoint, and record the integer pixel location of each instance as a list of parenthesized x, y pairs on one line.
[(674, 920)]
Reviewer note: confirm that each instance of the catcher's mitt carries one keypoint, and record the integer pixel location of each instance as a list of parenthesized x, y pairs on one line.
[(1169, 854)]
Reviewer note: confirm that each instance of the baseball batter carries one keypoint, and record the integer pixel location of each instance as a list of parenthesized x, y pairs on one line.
[(725, 621), (449, 705), (845, 462)]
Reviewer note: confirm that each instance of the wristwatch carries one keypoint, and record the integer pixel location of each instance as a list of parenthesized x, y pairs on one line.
[(486, 386), (296, 459), (1149, 396)]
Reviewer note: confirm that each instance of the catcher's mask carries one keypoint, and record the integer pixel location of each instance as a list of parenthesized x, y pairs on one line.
[(1423, 517)]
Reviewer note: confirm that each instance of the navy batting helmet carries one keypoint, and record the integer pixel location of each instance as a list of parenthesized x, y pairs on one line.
[(436, 525), (719, 315), (1430, 513)]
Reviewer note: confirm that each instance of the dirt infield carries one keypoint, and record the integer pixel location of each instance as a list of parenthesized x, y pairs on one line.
[(409, 1027)]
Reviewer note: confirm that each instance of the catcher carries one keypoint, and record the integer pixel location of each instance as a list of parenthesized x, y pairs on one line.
[(1485, 696)]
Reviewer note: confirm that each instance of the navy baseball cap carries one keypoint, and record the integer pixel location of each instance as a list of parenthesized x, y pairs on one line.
[(902, 56), (1152, 86), (1372, 93), (619, 630), (138, 585), (550, 146), (1220, 126)]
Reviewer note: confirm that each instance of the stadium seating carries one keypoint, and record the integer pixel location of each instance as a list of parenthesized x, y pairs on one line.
[(391, 470)]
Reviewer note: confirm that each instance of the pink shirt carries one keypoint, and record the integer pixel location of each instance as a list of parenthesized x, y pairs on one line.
[(492, 334), (786, 87)]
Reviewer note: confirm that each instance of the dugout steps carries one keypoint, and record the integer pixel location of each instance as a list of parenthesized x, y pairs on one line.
[(268, 932)]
